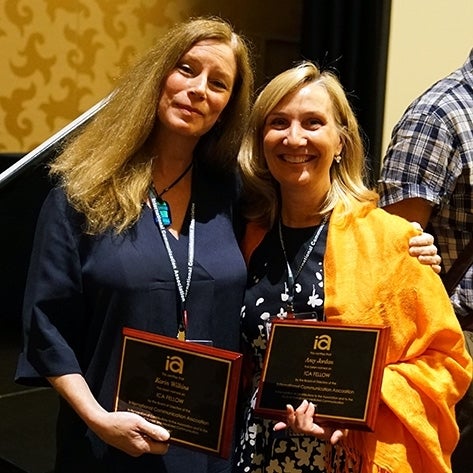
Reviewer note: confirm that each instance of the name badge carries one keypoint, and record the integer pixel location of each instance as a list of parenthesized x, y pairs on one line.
[(208, 343)]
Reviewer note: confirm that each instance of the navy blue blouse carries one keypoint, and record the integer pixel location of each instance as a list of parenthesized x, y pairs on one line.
[(82, 290)]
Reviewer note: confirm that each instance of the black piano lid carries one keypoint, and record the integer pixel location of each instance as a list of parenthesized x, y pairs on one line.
[(46, 149), (23, 188)]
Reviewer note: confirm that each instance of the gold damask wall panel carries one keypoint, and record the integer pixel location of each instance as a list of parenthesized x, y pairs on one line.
[(60, 57)]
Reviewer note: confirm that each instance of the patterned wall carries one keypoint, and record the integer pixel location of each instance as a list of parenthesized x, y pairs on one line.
[(60, 57)]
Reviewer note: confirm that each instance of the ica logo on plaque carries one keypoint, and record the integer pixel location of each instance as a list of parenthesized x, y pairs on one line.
[(175, 364), (322, 342)]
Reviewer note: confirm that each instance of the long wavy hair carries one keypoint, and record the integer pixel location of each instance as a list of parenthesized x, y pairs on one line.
[(105, 169), (260, 190)]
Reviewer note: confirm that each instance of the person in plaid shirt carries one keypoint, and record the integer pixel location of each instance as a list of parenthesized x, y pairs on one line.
[(427, 176)]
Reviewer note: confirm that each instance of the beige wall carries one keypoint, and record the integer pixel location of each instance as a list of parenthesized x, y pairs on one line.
[(428, 39), (60, 57)]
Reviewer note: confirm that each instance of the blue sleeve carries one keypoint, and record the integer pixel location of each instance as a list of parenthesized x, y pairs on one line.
[(53, 307)]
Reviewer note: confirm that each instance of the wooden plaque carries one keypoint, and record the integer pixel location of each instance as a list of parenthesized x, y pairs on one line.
[(337, 367), (188, 388)]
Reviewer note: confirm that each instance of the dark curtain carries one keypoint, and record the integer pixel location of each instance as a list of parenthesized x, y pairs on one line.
[(351, 36)]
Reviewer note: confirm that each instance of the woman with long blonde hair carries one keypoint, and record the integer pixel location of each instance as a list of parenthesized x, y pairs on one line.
[(139, 233)]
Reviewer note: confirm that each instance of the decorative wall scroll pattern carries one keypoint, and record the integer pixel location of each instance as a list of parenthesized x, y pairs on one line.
[(58, 58)]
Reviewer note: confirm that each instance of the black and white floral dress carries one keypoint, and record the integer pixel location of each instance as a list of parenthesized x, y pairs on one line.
[(260, 449)]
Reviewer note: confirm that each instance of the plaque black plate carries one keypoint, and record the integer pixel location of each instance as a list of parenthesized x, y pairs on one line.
[(337, 367), (189, 389)]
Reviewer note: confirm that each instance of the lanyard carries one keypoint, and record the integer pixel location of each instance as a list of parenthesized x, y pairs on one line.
[(183, 292), (291, 277)]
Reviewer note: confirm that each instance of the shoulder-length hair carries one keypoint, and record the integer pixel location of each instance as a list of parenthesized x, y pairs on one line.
[(106, 168), (260, 190)]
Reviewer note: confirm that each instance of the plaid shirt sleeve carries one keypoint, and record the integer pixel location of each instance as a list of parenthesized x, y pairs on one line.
[(421, 161)]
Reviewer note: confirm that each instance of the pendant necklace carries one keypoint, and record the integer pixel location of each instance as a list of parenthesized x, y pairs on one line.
[(159, 204), (291, 277)]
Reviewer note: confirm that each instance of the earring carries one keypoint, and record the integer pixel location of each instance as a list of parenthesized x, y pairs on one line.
[(337, 158)]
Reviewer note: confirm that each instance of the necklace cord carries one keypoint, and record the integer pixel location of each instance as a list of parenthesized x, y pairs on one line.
[(159, 204), (181, 176)]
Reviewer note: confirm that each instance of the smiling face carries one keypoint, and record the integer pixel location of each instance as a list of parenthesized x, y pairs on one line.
[(197, 90), (301, 139)]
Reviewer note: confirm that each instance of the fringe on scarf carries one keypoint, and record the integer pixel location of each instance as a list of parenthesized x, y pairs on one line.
[(357, 460)]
